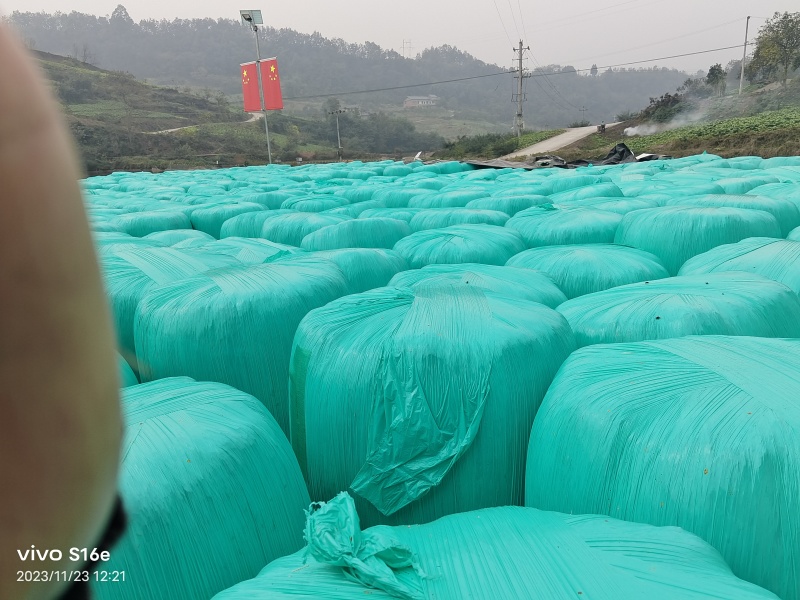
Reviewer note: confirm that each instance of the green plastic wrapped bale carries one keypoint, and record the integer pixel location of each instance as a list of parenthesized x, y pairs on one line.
[(409, 396), (139, 224), (485, 244), (401, 214), (620, 206), (785, 212), (376, 232), (714, 304), (451, 199), (698, 432), (514, 282), (129, 273), (495, 553), (314, 204), (355, 210), (249, 224), (436, 218), (272, 199), (599, 190), (127, 377), (106, 227), (109, 241), (251, 251), (399, 197), (549, 226), (211, 219), (170, 237), (211, 489), (365, 268), (778, 260), (446, 167), (794, 235), (566, 181), (579, 270), (742, 185), (510, 205), (677, 233), (234, 325), (290, 229)]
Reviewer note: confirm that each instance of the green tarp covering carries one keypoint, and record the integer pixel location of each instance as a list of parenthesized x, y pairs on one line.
[(486, 244), (549, 226), (697, 432)]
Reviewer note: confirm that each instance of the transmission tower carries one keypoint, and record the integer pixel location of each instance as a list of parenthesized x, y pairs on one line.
[(519, 97)]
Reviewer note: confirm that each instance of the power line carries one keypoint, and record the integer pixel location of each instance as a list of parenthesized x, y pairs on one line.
[(513, 18), (522, 19), (533, 75), (501, 20)]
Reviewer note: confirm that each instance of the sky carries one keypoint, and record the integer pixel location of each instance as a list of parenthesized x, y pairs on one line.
[(578, 33)]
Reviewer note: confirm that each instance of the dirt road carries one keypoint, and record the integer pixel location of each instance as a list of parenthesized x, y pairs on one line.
[(570, 136)]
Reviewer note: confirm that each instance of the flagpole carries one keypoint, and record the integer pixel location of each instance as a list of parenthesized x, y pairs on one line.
[(261, 92)]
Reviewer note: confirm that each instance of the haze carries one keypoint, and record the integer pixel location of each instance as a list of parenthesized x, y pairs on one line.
[(578, 33)]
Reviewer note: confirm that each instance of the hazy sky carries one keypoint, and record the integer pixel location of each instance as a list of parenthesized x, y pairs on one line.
[(579, 32)]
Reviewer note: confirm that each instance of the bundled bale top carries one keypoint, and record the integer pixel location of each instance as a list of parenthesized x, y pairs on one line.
[(251, 251), (376, 232), (510, 205), (778, 260), (794, 234), (719, 303), (139, 224), (365, 268), (677, 233), (399, 197), (108, 241), (436, 218), (598, 190), (579, 270), (234, 325), (549, 226), (291, 228), (355, 210), (211, 488), (211, 219), (441, 379), (129, 273), (401, 214), (698, 432), (525, 284), (173, 236), (785, 212), (616, 205), (249, 224), (442, 199), (314, 204), (495, 553), (486, 244)]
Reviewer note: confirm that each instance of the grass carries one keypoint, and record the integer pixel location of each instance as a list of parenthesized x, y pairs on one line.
[(488, 146)]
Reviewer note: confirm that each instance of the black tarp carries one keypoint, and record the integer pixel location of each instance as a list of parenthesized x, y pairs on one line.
[(617, 155)]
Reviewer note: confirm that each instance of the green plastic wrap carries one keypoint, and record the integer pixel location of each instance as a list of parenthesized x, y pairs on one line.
[(365, 268), (410, 395), (447, 199), (106, 242), (436, 218), (778, 260), (493, 554), (211, 219), (401, 214), (376, 232), (399, 197), (173, 236), (234, 325), (250, 251), (794, 235), (598, 190), (620, 206), (314, 204), (510, 205), (785, 212), (211, 489), (291, 228), (677, 233), (549, 226), (486, 244), (525, 284), (742, 185), (249, 224), (583, 269), (714, 304), (698, 432), (127, 377), (139, 224), (129, 273), (355, 210)]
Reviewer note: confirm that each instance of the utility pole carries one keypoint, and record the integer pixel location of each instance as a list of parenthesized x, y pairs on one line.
[(744, 54), (583, 114), (253, 19), (519, 97), (339, 148), (407, 43)]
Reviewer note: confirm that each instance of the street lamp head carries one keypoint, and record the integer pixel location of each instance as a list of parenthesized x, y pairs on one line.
[(251, 17)]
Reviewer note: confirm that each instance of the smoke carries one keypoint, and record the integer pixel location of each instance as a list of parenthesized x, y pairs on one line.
[(679, 121)]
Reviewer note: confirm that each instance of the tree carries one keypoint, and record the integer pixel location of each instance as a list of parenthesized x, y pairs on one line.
[(716, 78), (777, 47), (593, 72)]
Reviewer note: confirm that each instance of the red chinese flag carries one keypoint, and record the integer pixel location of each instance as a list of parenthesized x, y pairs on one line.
[(252, 99), (271, 82)]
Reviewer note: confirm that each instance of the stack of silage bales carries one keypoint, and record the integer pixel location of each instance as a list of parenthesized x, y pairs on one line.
[(419, 397)]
